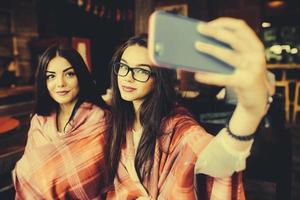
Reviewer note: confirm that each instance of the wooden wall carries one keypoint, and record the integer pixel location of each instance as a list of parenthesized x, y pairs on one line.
[(23, 29), (142, 11)]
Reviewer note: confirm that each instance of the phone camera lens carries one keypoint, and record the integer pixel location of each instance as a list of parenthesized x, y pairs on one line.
[(158, 49)]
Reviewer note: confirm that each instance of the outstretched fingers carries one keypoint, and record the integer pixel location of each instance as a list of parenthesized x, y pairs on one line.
[(226, 55), (234, 32), (213, 79)]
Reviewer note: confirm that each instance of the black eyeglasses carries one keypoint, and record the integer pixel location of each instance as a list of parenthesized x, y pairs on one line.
[(138, 74)]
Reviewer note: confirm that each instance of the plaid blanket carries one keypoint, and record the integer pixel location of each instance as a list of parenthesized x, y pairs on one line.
[(172, 175), (66, 165)]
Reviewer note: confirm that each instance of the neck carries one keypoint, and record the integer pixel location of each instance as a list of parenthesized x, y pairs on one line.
[(66, 109), (64, 113), (137, 124)]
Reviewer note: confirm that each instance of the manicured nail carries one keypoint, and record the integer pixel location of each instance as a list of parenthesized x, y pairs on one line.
[(201, 27), (201, 45)]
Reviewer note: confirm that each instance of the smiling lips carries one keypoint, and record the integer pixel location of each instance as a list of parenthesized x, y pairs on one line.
[(128, 89), (62, 93)]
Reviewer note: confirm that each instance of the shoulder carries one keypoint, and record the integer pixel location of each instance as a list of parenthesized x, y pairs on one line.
[(179, 120), (95, 112), (180, 128), (38, 120)]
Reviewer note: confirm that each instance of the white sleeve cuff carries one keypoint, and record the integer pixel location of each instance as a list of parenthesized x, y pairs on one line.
[(220, 160)]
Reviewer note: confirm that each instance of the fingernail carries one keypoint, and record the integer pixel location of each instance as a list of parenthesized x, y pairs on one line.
[(200, 45), (201, 27), (197, 45)]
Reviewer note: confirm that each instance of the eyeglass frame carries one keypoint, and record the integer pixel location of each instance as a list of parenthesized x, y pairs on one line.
[(131, 69)]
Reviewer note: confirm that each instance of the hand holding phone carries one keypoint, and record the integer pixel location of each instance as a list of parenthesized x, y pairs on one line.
[(172, 44)]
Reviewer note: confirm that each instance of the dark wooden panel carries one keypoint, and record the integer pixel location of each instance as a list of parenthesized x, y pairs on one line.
[(143, 9)]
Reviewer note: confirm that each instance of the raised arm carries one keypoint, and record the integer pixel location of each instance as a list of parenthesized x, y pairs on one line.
[(249, 79)]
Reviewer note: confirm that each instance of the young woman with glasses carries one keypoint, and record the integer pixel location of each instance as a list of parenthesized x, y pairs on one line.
[(155, 147)]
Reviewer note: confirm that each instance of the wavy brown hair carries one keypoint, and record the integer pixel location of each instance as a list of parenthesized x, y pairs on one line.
[(157, 105)]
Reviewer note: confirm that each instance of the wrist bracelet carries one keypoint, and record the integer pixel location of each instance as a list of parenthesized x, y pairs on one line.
[(239, 137)]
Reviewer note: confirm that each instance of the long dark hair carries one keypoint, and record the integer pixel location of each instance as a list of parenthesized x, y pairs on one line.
[(157, 104), (87, 87)]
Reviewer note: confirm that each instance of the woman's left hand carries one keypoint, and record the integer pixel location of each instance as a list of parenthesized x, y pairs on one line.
[(247, 56)]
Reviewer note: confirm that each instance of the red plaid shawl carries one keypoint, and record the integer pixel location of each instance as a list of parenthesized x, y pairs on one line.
[(64, 167), (172, 176)]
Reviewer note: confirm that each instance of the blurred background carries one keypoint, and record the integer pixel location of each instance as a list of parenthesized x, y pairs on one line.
[(97, 27)]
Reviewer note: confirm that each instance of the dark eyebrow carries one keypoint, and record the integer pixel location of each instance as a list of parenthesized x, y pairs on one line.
[(144, 65), (67, 69), (63, 71), (138, 65), (123, 60)]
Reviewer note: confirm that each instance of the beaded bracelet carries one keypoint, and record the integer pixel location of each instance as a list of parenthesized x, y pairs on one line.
[(239, 137), (244, 137)]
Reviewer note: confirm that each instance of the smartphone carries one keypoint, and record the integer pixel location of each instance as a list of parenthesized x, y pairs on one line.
[(172, 40)]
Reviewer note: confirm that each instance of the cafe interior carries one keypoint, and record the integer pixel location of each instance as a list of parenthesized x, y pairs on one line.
[(97, 27)]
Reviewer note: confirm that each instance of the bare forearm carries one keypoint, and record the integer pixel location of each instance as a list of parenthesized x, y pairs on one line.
[(242, 123)]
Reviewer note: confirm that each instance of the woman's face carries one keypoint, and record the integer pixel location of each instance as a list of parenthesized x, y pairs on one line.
[(62, 82), (131, 89)]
